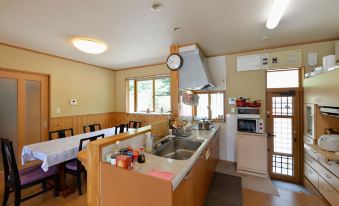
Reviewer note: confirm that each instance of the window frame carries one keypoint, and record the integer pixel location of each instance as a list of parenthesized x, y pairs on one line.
[(195, 108), (153, 78), (301, 71)]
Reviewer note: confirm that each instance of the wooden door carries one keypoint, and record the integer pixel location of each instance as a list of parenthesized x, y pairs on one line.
[(284, 134), (25, 108)]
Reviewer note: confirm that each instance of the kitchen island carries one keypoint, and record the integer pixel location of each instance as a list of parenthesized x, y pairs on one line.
[(189, 185)]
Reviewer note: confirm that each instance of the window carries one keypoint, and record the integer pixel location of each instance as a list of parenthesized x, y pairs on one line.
[(283, 79), (211, 105), (149, 94)]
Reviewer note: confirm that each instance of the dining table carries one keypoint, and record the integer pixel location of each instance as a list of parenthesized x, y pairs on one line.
[(59, 151)]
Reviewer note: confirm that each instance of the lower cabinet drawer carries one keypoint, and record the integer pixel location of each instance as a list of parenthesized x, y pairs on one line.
[(330, 165), (328, 192), (308, 140), (314, 154), (311, 175)]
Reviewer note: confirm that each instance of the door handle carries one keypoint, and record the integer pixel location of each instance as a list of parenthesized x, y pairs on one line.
[(269, 135)]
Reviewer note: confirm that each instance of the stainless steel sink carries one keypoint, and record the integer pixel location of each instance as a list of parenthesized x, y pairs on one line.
[(178, 149)]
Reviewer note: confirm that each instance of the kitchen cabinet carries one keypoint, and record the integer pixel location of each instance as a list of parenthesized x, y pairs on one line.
[(193, 188), (252, 153), (323, 174), (309, 123), (322, 89)]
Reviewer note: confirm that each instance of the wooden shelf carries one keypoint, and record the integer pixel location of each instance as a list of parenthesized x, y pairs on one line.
[(328, 155)]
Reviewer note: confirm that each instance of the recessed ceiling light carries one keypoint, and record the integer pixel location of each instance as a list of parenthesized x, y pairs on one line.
[(90, 46), (264, 38), (156, 6), (278, 9), (175, 29)]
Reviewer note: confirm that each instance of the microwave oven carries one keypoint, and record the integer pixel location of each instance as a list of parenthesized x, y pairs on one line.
[(250, 125)]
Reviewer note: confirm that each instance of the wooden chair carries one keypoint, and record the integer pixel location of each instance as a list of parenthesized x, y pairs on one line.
[(92, 127), (74, 167), (121, 128), (134, 124), (60, 133), (16, 180)]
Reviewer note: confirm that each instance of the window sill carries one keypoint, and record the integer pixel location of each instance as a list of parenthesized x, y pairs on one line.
[(149, 113)]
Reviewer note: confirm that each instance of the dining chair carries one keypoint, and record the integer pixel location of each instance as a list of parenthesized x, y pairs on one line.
[(92, 127), (134, 124), (74, 167), (16, 180), (61, 133), (121, 128)]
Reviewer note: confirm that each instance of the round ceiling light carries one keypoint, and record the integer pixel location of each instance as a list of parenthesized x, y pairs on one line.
[(90, 46), (156, 6)]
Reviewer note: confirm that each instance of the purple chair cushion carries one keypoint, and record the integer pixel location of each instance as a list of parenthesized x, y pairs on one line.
[(34, 173), (72, 165)]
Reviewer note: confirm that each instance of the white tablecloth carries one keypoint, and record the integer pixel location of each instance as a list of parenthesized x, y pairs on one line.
[(56, 151)]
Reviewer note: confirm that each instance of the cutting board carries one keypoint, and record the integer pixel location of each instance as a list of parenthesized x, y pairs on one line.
[(159, 129)]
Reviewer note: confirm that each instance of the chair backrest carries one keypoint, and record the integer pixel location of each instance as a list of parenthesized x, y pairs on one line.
[(121, 128), (11, 173), (134, 124), (89, 139), (61, 133), (92, 127)]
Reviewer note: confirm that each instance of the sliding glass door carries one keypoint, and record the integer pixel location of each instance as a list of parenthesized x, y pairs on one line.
[(23, 108)]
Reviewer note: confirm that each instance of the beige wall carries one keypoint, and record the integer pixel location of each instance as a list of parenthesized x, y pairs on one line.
[(122, 75), (252, 84), (94, 87)]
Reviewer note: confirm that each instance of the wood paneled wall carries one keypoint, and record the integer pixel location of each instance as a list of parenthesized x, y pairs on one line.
[(105, 119), (145, 119)]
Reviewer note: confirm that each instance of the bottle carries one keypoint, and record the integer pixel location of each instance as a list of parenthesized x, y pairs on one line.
[(149, 142), (135, 156), (113, 160), (141, 157)]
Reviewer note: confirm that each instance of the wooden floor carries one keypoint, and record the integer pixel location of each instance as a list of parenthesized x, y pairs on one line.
[(250, 198), (286, 198)]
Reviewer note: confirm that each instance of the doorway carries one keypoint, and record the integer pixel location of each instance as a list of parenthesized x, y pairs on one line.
[(24, 109), (283, 124)]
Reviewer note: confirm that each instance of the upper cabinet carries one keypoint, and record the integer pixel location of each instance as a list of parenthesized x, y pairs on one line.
[(323, 89), (286, 59), (273, 60)]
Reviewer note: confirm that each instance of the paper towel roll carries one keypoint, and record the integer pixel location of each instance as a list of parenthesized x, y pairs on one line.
[(328, 62)]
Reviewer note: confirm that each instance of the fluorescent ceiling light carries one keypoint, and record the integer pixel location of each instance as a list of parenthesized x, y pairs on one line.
[(90, 46), (278, 9)]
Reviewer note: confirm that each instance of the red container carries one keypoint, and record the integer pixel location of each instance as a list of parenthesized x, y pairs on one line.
[(254, 104), (124, 161), (241, 104)]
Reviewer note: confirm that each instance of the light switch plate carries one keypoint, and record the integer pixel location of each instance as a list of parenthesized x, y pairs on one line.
[(58, 110)]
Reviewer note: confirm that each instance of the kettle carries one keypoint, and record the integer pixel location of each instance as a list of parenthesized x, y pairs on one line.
[(204, 125)]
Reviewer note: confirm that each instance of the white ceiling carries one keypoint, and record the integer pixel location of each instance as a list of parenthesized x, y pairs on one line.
[(138, 36)]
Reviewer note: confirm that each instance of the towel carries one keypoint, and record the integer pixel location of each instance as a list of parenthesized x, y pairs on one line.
[(161, 174)]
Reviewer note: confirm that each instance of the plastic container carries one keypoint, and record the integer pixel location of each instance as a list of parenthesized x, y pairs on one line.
[(149, 142)]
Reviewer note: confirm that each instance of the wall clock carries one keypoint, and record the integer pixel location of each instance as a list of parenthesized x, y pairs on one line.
[(174, 61)]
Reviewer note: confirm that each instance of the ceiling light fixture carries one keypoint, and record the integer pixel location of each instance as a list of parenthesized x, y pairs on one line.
[(278, 9), (156, 6), (90, 46)]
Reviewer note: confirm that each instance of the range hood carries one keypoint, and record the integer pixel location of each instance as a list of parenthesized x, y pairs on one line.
[(194, 73), (332, 111)]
